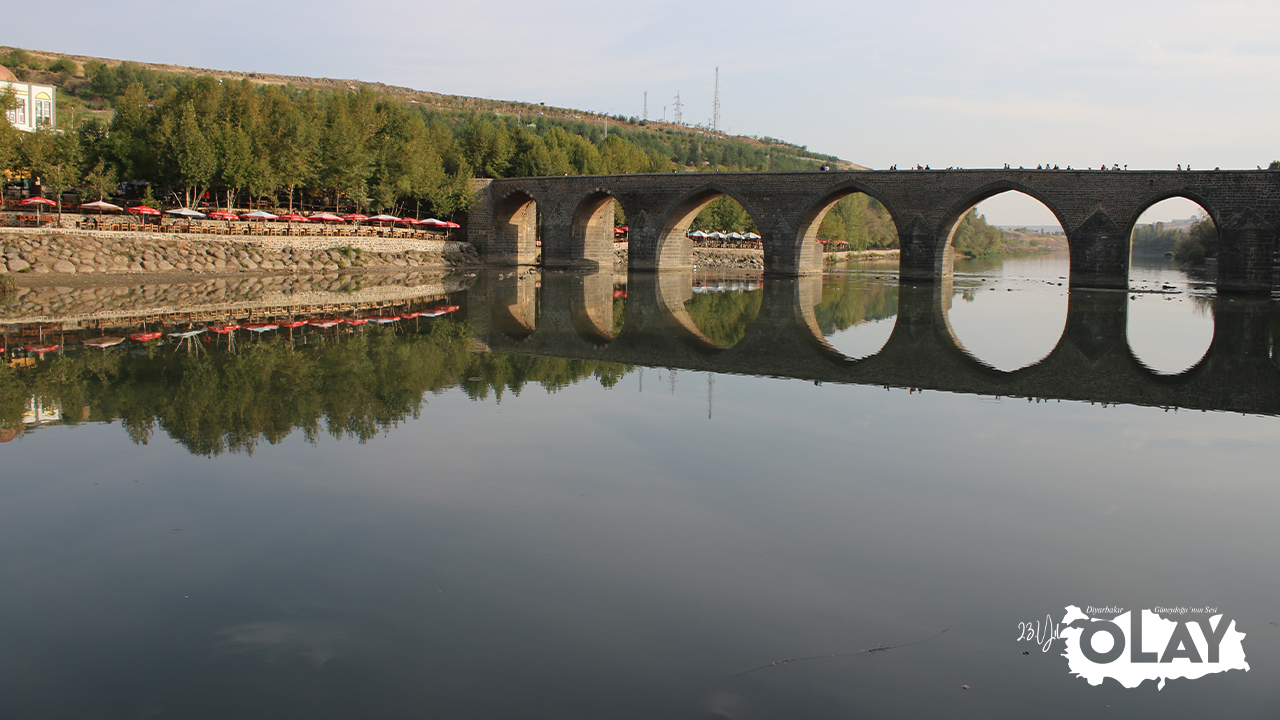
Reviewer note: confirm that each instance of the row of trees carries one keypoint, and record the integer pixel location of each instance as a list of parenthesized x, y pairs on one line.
[(1156, 239), (1192, 245), (188, 139)]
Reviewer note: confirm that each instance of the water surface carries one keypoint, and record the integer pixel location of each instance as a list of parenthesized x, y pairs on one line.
[(391, 522)]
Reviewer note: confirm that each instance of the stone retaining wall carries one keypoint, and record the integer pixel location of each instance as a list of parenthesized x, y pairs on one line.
[(43, 252)]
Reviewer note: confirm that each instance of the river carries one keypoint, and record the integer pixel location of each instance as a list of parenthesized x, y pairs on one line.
[(389, 522)]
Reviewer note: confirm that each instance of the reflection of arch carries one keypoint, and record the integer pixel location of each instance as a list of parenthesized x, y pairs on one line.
[(674, 289), (592, 306), (811, 219), (515, 228), (591, 239), (675, 250), (515, 305)]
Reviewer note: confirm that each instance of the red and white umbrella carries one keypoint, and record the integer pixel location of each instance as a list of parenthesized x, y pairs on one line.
[(355, 217), (222, 215), (258, 215), (327, 217), (143, 211), (384, 218), (38, 202), (291, 218)]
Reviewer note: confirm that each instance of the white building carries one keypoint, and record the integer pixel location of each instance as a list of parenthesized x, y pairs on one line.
[(36, 103)]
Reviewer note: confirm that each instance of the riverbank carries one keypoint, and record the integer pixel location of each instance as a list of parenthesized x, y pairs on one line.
[(45, 256)]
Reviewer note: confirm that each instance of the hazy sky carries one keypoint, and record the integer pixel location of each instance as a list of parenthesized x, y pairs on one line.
[(975, 84)]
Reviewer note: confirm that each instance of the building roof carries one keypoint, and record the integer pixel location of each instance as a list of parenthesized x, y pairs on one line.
[(7, 74)]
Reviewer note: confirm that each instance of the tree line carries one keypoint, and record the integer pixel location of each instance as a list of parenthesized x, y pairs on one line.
[(184, 139)]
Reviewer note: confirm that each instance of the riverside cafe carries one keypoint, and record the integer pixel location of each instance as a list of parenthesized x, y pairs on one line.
[(260, 222)]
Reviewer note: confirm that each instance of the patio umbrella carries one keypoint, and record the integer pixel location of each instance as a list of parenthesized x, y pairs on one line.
[(326, 217), (222, 215), (187, 213), (289, 218), (258, 215), (384, 218), (100, 206), (38, 202), (751, 236), (143, 211)]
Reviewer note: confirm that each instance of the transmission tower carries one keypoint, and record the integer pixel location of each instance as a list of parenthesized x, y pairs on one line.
[(715, 105), (677, 112), (646, 106)]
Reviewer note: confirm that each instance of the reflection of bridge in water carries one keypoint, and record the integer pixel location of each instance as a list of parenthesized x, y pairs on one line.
[(571, 316)]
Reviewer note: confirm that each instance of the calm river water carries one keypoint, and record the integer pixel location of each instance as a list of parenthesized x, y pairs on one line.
[(385, 523)]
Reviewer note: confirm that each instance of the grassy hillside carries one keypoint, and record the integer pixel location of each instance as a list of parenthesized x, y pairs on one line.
[(90, 87)]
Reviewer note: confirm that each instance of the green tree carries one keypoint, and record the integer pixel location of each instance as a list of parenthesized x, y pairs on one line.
[(195, 155), (486, 146), (100, 180), (54, 157), (9, 139), (236, 162)]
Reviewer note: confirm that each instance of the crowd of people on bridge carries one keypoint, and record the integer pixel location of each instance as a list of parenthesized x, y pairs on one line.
[(1114, 167)]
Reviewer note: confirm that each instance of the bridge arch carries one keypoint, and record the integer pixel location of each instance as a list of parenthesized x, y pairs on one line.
[(674, 248), (812, 217), (1205, 204), (591, 234), (515, 228), (951, 218)]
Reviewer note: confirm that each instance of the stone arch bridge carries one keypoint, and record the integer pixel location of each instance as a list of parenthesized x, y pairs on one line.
[(571, 315), (572, 216)]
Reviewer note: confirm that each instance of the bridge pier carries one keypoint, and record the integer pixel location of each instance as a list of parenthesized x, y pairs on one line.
[(923, 257), (1099, 251), (1246, 248)]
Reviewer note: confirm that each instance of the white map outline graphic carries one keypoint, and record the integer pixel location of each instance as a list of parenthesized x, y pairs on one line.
[(1156, 632)]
